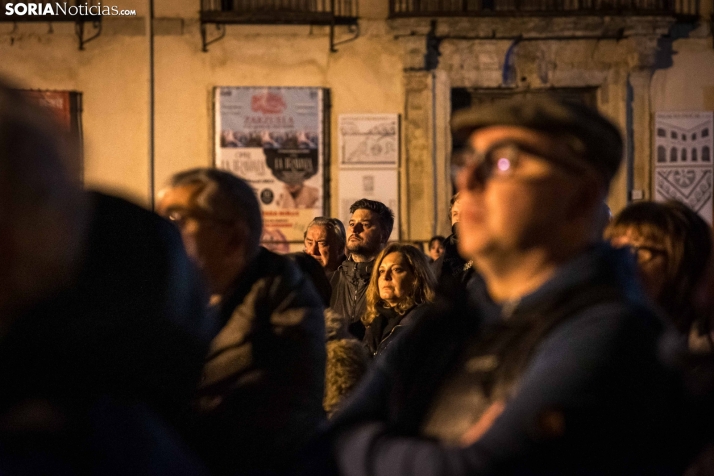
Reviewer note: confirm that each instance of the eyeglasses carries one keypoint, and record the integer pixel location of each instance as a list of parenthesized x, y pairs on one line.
[(179, 217), (502, 160), (644, 253)]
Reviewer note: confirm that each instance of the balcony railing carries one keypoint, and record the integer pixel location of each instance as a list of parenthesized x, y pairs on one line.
[(314, 12), (445, 8), (78, 12)]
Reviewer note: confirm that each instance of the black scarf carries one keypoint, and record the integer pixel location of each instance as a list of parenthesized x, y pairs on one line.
[(381, 326)]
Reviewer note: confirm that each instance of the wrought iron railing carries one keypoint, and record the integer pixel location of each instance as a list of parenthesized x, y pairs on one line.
[(280, 10), (416, 8), (79, 12)]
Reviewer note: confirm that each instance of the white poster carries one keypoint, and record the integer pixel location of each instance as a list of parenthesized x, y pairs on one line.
[(380, 185), (368, 140), (683, 159), (273, 138)]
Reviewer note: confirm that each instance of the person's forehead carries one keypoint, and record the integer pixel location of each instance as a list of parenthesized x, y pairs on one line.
[(395, 257), (629, 240), (632, 236), (182, 196), (363, 214), (482, 138), (318, 232)]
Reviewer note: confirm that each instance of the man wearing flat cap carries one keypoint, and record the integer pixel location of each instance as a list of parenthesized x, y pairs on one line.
[(555, 368)]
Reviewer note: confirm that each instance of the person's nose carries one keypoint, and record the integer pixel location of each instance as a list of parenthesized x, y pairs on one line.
[(312, 249), (388, 275), (357, 228)]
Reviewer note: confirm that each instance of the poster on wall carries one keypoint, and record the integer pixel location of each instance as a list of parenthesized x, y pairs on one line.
[(368, 140), (380, 185), (683, 159), (273, 137), (64, 107)]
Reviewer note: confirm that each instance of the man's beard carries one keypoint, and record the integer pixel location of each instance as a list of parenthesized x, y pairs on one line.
[(362, 248)]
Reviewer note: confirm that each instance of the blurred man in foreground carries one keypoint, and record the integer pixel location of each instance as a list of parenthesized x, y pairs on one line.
[(102, 328), (556, 371)]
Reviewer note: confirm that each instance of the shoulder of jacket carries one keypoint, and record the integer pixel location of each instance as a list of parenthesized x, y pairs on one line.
[(278, 273)]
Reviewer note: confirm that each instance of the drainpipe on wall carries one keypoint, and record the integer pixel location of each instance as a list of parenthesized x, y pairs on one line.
[(507, 78), (431, 62), (434, 161), (152, 185)]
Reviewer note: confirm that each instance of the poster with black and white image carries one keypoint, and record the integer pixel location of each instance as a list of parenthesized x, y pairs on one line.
[(368, 151), (368, 140), (273, 138), (380, 185), (683, 159)]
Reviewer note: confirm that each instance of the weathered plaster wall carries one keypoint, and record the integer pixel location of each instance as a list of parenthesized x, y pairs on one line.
[(614, 55), (113, 79), (112, 73), (364, 76), (688, 85)]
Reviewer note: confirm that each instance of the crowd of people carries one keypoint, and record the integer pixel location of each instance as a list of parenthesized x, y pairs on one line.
[(538, 338)]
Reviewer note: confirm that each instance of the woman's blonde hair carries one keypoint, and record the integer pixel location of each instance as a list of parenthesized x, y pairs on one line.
[(424, 282)]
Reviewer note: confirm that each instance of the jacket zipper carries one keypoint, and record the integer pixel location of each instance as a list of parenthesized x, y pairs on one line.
[(388, 336)]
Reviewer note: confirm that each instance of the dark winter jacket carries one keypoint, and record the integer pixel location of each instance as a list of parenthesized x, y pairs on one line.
[(260, 397), (576, 362), (453, 273), (349, 286), (385, 327)]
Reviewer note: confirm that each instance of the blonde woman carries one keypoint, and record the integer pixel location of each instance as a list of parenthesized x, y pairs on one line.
[(401, 281)]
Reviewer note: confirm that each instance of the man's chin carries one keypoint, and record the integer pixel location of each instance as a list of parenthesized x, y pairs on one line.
[(355, 247), (470, 248)]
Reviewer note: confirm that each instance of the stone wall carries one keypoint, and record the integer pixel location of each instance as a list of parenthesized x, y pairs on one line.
[(615, 55)]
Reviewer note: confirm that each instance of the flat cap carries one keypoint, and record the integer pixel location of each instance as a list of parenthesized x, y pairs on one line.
[(594, 139)]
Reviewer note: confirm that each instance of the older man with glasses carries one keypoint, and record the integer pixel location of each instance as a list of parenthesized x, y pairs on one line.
[(260, 397), (555, 368)]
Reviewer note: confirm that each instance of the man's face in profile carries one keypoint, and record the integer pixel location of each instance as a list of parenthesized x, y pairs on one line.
[(207, 240)]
